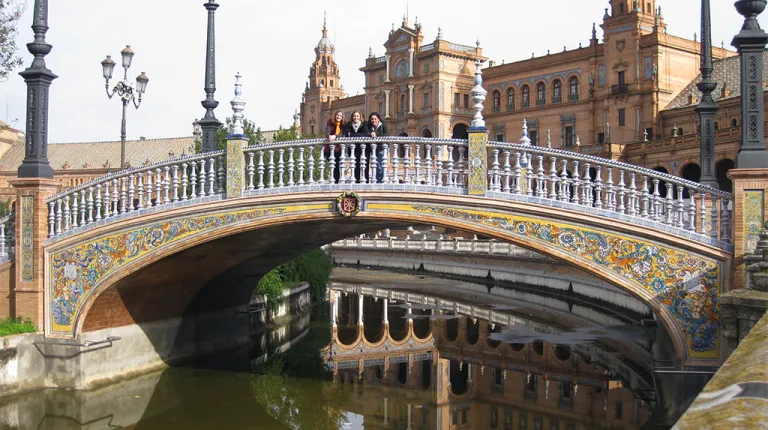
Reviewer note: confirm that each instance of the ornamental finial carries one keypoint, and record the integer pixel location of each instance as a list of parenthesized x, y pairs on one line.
[(525, 140), (478, 94), (238, 105)]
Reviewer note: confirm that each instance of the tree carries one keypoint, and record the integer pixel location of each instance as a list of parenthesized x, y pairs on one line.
[(249, 129), (286, 134), (10, 12)]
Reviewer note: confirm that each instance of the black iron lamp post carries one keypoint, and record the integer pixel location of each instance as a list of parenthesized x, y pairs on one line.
[(38, 79), (707, 107), (209, 123), (125, 90), (750, 42)]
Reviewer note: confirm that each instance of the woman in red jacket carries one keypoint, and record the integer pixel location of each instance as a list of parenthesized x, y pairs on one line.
[(334, 128)]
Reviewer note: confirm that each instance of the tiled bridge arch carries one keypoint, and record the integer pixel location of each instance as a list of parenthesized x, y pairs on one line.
[(678, 277)]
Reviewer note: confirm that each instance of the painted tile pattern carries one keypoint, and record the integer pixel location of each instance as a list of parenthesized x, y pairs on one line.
[(753, 219), (235, 168), (664, 272), (478, 163), (77, 271), (27, 238)]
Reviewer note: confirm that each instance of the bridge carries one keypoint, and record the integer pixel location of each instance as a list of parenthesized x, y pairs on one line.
[(109, 246)]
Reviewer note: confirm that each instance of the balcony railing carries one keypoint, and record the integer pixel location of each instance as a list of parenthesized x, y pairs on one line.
[(525, 104), (557, 100), (510, 107), (619, 89), (573, 97), (496, 109), (541, 102)]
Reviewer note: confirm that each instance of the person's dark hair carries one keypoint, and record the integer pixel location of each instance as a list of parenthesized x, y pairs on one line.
[(374, 114)]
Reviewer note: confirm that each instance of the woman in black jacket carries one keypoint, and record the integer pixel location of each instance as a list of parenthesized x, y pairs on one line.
[(378, 129), (356, 127)]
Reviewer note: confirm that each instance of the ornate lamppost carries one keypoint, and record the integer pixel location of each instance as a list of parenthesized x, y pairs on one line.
[(707, 107), (38, 79), (209, 123), (124, 90), (750, 42)]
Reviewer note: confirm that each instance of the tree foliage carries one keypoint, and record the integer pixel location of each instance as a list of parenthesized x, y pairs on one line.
[(254, 134), (313, 267), (10, 12)]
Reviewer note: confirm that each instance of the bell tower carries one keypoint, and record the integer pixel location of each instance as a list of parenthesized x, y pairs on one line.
[(324, 86)]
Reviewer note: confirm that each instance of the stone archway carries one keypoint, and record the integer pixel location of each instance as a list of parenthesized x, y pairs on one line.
[(460, 131)]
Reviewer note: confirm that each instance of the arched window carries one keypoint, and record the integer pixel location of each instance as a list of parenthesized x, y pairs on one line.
[(402, 69), (541, 94), (717, 125), (511, 99), (557, 91), (496, 101), (680, 131), (526, 96), (734, 122), (402, 103), (573, 92)]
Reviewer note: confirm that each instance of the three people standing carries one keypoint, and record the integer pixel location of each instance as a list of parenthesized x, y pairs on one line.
[(356, 127)]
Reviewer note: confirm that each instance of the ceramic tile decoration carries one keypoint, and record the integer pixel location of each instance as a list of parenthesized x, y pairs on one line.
[(658, 269), (27, 238), (753, 219), (478, 163)]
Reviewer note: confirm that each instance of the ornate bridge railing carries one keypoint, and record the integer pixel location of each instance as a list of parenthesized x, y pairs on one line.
[(542, 176), (452, 245)]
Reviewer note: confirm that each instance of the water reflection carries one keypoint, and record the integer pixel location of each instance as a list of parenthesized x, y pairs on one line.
[(403, 358)]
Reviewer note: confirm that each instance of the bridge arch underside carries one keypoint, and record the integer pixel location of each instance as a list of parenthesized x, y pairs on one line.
[(196, 259)]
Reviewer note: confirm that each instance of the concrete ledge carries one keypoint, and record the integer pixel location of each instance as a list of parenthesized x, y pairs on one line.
[(737, 396)]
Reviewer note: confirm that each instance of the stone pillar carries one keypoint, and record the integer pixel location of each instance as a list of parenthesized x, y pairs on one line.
[(386, 103), (750, 42), (410, 69), (334, 308), (27, 297), (749, 208), (409, 416), (386, 312), (236, 142), (469, 373), (478, 138), (410, 98), (386, 411), (360, 310), (386, 79)]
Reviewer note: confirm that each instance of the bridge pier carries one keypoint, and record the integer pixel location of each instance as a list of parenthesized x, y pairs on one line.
[(28, 295), (750, 206)]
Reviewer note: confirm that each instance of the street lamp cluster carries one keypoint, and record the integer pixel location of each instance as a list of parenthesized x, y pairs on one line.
[(125, 91)]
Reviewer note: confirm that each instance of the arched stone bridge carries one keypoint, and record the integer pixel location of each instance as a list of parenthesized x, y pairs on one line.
[(115, 243)]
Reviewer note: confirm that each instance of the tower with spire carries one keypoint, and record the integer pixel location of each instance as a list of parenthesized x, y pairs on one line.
[(324, 85)]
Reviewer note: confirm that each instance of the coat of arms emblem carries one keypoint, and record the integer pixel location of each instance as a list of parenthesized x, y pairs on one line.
[(620, 44), (349, 204)]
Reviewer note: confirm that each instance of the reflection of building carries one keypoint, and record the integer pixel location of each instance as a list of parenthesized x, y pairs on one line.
[(449, 374), (636, 83)]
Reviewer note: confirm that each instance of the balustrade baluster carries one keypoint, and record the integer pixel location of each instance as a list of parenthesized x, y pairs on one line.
[(184, 182), (439, 170), (67, 219), (507, 171), (75, 206), (655, 201), (553, 188), (250, 172), (175, 179), (311, 166), (540, 178), (670, 206), (725, 222), (495, 182), (115, 197), (148, 187), (703, 212), (97, 203), (342, 164), (51, 220), (121, 199), (622, 193), (291, 168), (452, 175), (131, 192), (58, 216), (679, 208), (463, 166), (107, 200), (271, 167), (528, 174), (354, 168), (211, 176), (576, 196), (691, 224), (395, 164), (301, 166), (373, 164), (518, 173), (417, 163), (565, 193), (159, 186), (166, 184), (89, 220), (407, 163), (201, 178), (83, 206), (586, 190), (261, 170), (599, 187), (428, 165), (221, 175), (714, 217), (610, 190), (632, 194)]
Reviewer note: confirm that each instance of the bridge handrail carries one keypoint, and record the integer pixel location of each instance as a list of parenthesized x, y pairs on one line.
[(184, 178), (666, 177), (454, 245), (133, 170), (324, 141)]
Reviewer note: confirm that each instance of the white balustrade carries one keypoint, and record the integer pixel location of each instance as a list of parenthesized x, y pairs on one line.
[(154, 185), (7, 235)]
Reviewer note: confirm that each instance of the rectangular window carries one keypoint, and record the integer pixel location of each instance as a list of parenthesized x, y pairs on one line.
[(312, 128), (600, 138), (622, 117), (622, 77), (426, 100), (534, 136), (649, 132), (466, 101), (500, 137), (456, 100), (569, 136), (381, 108)]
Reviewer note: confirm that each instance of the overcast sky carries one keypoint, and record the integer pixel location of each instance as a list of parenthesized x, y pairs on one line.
[(271, 43)]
